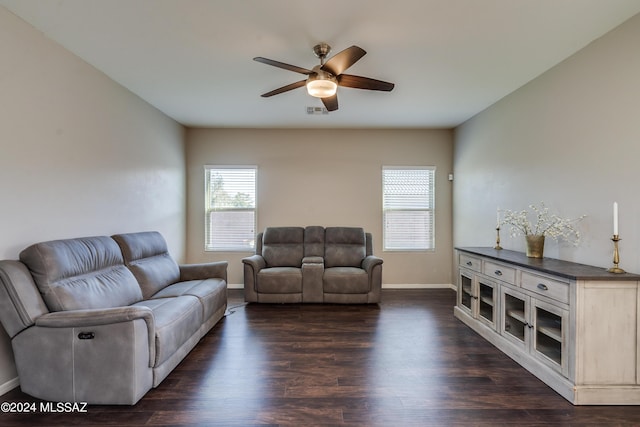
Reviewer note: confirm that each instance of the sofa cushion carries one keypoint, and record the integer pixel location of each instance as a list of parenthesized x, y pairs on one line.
[(176, 320), (81, 273), (212, 293), (148, 258), (279, 280), (344, 246), (283, 246)]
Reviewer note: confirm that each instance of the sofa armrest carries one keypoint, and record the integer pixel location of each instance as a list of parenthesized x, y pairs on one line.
[(203, 271), (370, 262), (20, 300), (102, 316), (95, 316)]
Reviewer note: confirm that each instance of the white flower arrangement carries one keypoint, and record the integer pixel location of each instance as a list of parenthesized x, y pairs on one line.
[(546, 224)]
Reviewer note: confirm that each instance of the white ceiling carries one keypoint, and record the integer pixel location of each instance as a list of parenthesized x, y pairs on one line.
[(449, 59)]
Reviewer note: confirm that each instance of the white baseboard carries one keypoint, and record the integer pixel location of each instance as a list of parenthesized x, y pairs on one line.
[(384, 286), (9, 385), (418, 286)]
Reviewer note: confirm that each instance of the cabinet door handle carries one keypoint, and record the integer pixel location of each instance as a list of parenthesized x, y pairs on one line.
[(469, 263), (498, 273), (542, 286)]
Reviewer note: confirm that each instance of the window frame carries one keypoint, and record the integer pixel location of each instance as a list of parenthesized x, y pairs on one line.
[(208, 209), (429, 245)]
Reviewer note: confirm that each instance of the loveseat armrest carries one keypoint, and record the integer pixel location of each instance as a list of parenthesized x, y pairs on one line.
[(369, 262), (373, 266), (252, 266), (257, 262), (102, 316), (312, 272), (208, 270)]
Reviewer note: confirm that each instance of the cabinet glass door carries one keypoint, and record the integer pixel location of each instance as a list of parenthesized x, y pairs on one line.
[(466, 291), (487, 301), (549, 334), (515, 322)]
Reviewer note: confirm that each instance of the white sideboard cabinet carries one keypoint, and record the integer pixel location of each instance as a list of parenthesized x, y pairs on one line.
[(574, 326)]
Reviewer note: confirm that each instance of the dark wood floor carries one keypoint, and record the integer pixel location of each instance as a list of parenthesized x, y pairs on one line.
[(406, 362)]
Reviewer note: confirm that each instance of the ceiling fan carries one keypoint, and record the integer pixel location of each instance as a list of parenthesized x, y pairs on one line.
[(323, 80)]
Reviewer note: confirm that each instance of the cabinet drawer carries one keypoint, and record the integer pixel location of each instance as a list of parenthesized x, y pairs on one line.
[(470, 262), (550, 288), (500, 272)]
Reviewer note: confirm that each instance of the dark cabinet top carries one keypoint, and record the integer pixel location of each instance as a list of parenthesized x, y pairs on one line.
[(556, 267)]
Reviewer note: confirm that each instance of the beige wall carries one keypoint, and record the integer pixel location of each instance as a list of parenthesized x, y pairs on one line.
[(571, 138), (79, 154), (325, 177)]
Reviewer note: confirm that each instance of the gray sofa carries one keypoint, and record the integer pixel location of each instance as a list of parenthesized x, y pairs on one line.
[(104, 319), (313, 265)]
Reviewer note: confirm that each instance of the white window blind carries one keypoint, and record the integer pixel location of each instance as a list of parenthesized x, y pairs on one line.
[(230, 206), (408, 208)]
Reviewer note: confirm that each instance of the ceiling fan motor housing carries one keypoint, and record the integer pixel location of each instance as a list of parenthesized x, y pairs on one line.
[(321, 84)]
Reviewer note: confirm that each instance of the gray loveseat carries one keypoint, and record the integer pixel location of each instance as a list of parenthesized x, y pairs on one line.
[(104, 319), (313, 265)]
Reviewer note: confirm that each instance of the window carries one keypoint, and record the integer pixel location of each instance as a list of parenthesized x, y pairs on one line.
[(230, 205), (408, 208)]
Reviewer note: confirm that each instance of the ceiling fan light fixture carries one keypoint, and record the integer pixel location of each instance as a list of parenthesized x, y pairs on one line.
[(322, 85)]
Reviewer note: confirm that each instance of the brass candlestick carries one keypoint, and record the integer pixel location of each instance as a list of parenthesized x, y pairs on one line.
[(497, 246), (616, 256)]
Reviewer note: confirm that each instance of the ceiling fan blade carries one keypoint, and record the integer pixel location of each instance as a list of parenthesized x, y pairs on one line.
[(330, 102), (284, 89), (357, 82), (279, 64), (343, 60)]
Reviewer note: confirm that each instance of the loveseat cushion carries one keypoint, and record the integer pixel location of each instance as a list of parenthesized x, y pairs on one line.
[(176, 320), (344, 247), (147, 256), (283, 246), (81, 273), (345, 280), (280, 280)]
